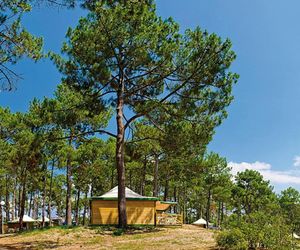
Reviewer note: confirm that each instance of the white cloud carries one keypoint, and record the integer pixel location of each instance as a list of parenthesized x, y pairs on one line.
[(297, 161), (239, 167), (288, 177)]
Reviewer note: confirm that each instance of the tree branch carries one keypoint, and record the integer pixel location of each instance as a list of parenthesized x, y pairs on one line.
[(101, 131)]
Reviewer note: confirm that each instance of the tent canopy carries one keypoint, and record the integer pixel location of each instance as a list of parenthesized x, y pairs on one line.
[(26, 219), (201, 221), (296, 236), (129, 194)]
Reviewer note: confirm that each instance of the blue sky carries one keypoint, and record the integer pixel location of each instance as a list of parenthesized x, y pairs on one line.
[(262, 130)]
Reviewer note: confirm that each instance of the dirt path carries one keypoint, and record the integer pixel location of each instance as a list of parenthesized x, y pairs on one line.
[(187, 237)]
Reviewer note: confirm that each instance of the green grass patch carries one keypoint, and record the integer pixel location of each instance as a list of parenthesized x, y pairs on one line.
[(61, 229), (94, 241), (35, 231)]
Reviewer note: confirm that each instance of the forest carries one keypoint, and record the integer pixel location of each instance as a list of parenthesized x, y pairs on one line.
[(138, 103)]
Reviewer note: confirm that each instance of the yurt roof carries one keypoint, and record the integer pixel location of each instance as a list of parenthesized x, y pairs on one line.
[(129, 194), (296, 236), (56, 218), (26, 218), (201, 221)]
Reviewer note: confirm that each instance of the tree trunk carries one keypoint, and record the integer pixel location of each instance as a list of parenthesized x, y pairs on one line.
[(23, 199), (77, 208), (175, 198), (222, 212), (19, 200), (1, 214), (184, 205), (44, 196), (50, 194), (143, 178), (92, 190), (85, 207), (69, 188), (112, 185), (35, 206), (69, 196), (120, 159), (130, 179), (30, 203), (166, 193), (13, 198), (208, 207), (155, 181), (219, 213), (7, 207), (1, 219)]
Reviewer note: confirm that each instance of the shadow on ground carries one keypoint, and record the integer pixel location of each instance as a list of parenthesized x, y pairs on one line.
[(30, 245)]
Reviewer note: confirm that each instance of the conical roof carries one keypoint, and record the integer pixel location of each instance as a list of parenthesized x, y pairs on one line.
[(296, 236), (201, 221), (26, 218), (113, 193), (129, 194)]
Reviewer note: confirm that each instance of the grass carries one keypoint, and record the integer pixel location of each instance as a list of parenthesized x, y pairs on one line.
[(38, 231), (186, 237)]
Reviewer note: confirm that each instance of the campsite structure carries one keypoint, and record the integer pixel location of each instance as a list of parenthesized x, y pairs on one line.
[(57, 220), (141, 210), (28, 223), (46, 220), (201, 222), (296, 236)]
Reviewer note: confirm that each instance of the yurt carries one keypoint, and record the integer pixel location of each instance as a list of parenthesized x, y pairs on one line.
[(140, 209), (46, 219), (57, 220), (295, 236), (201, 222), (28, 223)]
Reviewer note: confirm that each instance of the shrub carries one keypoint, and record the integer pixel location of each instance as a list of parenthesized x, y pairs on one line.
[(118, 232), (232, 239)]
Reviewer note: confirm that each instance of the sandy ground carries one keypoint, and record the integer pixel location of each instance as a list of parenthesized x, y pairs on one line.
[(186, 237)]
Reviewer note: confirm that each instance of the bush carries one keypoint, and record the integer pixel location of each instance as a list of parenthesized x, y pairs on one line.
[(103, 229), (232, 239), (118, 232)]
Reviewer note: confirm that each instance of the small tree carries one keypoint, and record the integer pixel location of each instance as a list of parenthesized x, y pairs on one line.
[(251, 192), (289, 201), (68, 114)]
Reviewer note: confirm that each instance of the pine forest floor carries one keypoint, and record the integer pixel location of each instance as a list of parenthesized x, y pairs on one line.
[(185, 237)]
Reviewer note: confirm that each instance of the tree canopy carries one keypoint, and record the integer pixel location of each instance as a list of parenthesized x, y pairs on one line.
[(124, 56)]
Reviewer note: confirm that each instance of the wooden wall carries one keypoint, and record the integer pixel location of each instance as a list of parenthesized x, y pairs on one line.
[(138, 212), (162, 206)]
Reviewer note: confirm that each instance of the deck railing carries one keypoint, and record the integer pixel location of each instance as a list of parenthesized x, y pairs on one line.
[(166, 219)]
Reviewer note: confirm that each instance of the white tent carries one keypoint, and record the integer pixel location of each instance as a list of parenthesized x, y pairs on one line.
[(201, 222), (26, 219), (295, 236), (40, 219), (113, 193)]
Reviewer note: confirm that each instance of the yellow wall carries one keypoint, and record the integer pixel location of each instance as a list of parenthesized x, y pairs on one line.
[(138, 212)]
